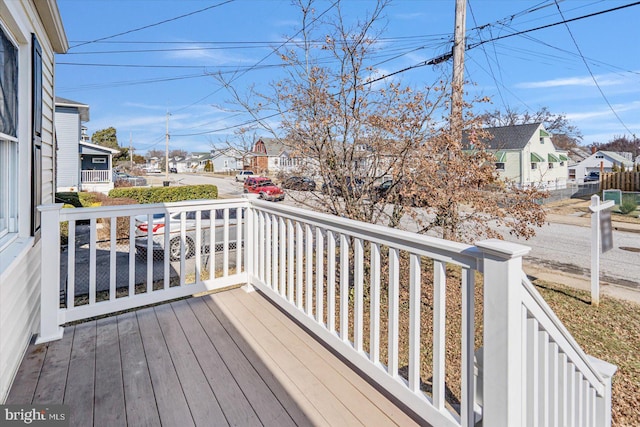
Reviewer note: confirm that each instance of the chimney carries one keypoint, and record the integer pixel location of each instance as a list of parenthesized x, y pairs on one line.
[(593, 149)]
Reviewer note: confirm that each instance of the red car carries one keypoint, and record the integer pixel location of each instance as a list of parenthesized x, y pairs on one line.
[(264, 187)]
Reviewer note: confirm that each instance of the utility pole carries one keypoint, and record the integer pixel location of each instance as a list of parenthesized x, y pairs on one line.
[(130, 151), (457, 82), (166, 154)]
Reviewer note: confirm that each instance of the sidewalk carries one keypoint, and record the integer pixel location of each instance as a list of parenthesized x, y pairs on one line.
[(579, 281), (584, 220)]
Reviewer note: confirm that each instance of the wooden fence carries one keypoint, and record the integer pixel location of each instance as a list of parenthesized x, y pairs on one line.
[(625, 181)]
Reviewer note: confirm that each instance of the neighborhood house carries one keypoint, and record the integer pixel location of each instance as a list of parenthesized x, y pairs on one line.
[(525, 156)]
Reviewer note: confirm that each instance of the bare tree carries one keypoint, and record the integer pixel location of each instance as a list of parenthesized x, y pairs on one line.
[(352, 131)]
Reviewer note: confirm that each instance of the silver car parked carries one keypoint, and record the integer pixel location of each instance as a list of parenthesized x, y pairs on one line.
[(159, 228)]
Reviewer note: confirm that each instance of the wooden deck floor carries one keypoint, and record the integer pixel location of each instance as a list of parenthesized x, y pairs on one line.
[(230, 358)]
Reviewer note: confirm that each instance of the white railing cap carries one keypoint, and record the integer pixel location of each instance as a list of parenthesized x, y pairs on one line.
[(502, 249), (604, 368)]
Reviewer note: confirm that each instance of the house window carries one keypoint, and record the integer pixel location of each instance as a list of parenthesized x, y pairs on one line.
[(572, 174), (99, 160), (550, 165), (36, 126), (8, 139), (500, 166), (534, 166)]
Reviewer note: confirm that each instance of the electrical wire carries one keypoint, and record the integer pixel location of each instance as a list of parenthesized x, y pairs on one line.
[(154, 25), (586, 64)]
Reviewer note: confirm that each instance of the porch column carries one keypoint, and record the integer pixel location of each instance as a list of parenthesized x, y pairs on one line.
[(502, 354), (50, 274)]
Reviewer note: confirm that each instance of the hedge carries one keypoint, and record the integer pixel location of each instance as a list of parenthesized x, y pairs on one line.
[(166, 194)]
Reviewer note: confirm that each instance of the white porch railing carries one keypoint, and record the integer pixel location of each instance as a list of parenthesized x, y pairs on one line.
[(349, 283), (95, 176)]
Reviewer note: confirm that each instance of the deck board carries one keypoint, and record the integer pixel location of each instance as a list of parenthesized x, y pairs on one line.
[(392, 411), (290, 368), (53, 377), (80, 379), (139, 397), (203, 404), (27, 377), (370, 408), (109, 390), (269, 405), (172, 403), (233, 402), (230, 358)]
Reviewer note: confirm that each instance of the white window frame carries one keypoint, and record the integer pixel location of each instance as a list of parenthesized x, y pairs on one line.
[(500, 168), (10, 166), (99, 160)]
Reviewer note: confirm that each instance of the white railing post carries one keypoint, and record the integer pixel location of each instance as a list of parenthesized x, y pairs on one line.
[(249, 245), (503, 374), (603, 403), (50, 330)]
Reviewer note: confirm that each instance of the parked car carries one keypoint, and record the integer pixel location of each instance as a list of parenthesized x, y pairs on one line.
[(159, 228), (353, 188), (136, 181), (264, 188), (593, 176), (302, 183), (399, 192), (243, 175)]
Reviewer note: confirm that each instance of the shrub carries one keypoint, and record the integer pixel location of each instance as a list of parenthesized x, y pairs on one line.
[(64, 226), (166, 194), (122, 223), (91, 199), (122, 183), (628, 205)]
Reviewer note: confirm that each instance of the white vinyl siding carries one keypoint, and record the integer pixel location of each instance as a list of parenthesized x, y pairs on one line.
[(20, 260), (68, 137)]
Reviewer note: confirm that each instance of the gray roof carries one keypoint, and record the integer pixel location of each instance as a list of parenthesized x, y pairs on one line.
[(617, 157), (274, 146), (83, 109), (514, 137)]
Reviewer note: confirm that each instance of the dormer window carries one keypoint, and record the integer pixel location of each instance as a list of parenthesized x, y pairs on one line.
[(543, 135)]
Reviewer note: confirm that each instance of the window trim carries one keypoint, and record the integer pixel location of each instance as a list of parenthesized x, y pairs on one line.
[(36, 122), (10, 176)]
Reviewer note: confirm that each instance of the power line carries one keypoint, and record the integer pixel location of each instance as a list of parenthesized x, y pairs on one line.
[(564, 21), (153, 25), (434, 61), (263, 59), (493, 76), (586, 64)]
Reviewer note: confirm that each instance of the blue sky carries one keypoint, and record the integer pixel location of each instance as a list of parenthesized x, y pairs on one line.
[(131, 80)]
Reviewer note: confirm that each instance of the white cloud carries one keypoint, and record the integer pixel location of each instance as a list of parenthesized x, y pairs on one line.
[(584, 81), (408, 16), (213, 56)]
